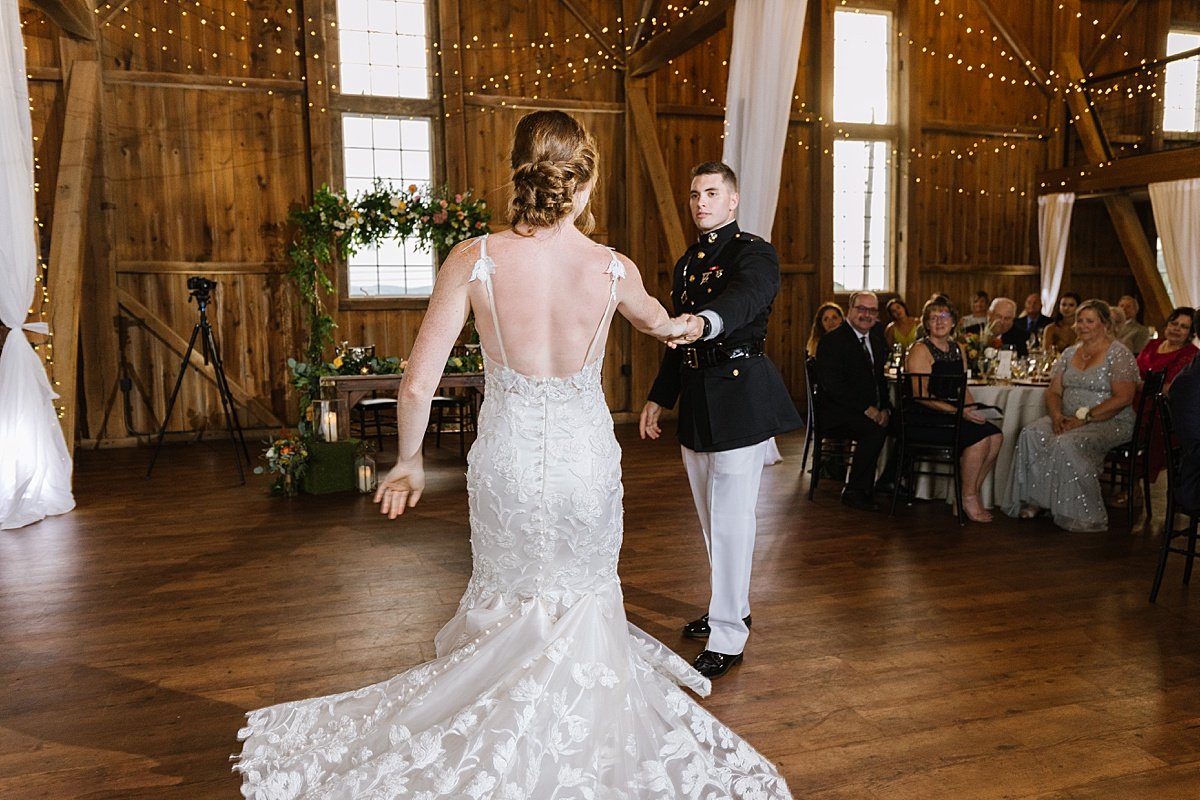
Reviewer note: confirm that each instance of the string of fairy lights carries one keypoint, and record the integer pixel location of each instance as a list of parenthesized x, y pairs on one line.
[(204, 36)]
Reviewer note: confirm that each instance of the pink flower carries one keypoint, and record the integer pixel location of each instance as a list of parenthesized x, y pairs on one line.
[(458, 198), (440, 217), (462, 215), (443, 203)]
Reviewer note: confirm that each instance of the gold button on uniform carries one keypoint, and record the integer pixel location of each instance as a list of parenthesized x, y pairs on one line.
[(735, 373)]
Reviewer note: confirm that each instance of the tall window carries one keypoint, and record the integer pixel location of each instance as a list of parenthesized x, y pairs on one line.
[(387, 129), (863, 174), (1181, 100)]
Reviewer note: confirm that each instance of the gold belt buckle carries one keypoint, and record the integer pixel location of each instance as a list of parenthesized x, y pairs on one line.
[(691, 357)]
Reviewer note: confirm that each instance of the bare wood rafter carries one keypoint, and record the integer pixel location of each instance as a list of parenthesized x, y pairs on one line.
[(643, 19), (1040, 77), (677, 40), (1120, 207), (177, 344), (75, 17), (1123, 173), (594, 29), (1108, 35), (454, 123), (646, 134)]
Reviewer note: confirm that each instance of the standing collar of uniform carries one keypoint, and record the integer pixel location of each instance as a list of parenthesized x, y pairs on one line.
[(718, 235)]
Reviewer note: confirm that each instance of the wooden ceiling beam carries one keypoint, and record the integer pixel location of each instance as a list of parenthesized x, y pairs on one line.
[(643, 19), (1120, 208), (1041, 78), (681, 37), (75, 17), (1123, 173), (594, 29), (1108, 35)]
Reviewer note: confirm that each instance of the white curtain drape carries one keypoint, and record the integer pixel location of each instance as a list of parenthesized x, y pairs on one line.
[(35, 469), (1054, 229), (758, 101), (1177, 215)]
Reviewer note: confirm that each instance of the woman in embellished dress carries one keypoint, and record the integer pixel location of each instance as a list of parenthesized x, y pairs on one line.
[(940, 357), (540, 689), (1059, 457)]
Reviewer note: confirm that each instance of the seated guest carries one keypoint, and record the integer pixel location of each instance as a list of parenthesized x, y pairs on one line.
[(999, 330), (1131, 333), (1032, 320), (902, 330), (853, 394), (828, 317), (939, 356), (1185, 414), (1169, 354), (1059, 457), (1060, 333), (978, 315)]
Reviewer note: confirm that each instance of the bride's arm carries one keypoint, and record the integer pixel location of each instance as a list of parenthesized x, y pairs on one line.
[(447, 313), (647, 314)]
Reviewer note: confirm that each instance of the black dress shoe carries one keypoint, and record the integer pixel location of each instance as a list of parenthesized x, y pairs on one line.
[(711, 664), (858, 500), (700, 629)]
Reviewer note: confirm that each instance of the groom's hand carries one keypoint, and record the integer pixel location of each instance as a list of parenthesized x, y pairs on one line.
[(688, 329), (648, 426)]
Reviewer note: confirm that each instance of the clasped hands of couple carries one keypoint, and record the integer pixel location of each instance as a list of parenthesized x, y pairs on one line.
[(401, 488)]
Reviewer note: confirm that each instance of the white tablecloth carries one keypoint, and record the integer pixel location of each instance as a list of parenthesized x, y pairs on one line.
[(1021, 405)]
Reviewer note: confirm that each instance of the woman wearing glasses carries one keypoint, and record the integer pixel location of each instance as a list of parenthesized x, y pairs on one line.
[(940, 357)]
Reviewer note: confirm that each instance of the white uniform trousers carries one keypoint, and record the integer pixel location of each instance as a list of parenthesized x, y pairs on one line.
[(725, 488)]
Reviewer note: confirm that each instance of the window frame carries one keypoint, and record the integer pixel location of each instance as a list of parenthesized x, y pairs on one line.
[(431, 108), (1191, 29), (892, 133)]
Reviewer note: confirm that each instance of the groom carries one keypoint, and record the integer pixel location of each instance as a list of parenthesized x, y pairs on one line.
[(731, 400)]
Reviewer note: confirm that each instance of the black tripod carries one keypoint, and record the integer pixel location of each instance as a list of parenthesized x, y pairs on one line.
[(200, 289)]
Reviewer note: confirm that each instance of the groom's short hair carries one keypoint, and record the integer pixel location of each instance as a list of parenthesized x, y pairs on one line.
[(717, 168)]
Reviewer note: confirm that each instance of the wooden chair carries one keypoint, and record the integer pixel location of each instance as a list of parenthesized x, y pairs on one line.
[(1126, 463), (1170, 532), (914, 450), (379, 413), (454, 414), (839, 451)]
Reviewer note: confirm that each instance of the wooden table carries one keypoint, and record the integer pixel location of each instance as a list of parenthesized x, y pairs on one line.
[(352, 388)]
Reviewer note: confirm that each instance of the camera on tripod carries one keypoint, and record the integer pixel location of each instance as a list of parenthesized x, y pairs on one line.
[(200, 287)]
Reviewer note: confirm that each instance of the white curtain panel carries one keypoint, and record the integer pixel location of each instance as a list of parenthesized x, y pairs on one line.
[(35, 470), (1177, 215), (1054, 229), (758, 101)]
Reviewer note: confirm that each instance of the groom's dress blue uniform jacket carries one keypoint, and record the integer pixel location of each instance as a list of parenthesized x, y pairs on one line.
[(730, 393)]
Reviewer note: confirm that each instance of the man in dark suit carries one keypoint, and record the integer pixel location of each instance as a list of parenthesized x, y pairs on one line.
[(853, 397), (731, 400), (1033, 320), (1185, 414)]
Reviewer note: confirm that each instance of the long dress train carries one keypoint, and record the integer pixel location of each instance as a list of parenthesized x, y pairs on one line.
[(541, 689)]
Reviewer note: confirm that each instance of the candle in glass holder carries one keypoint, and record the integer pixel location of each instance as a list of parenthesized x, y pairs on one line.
[(364, 470)]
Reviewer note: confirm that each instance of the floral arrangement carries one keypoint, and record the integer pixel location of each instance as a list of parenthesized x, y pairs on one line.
[(471, 361), (336, 226), (287, 457)]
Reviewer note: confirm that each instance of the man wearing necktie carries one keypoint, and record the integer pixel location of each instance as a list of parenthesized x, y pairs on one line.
[(853, 397), (731, 401)]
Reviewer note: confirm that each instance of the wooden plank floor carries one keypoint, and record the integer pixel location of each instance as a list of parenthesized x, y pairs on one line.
[(891, 659)]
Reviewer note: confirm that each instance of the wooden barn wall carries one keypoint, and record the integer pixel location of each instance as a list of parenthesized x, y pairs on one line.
[(209, 137)]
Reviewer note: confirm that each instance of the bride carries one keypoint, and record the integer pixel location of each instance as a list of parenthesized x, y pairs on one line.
[(541, 689)]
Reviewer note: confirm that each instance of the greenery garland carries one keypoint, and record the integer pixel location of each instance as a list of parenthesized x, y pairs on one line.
[(335, 227)]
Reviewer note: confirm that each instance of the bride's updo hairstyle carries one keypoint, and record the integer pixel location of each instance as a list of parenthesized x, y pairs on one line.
[(553, 157)]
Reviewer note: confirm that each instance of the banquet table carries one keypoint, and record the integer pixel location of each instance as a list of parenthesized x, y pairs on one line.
[(352, 388), (1020, 404)]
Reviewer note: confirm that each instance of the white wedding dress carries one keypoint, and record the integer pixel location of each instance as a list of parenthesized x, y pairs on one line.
[(541, 689)]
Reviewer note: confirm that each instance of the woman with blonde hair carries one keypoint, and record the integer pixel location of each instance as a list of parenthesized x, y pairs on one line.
[(540, 687)]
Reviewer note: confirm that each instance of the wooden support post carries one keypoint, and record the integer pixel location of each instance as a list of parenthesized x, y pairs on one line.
[(67, 231), (643, 353), (1120, 208), (646, 134), (177, 344), (318, 71)]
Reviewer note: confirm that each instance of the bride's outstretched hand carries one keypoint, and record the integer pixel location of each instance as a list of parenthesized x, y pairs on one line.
[(685, 329), (401, 488)]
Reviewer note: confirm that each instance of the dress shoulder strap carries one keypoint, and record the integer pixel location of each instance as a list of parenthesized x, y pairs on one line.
[(615, 271), (483, 270)]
